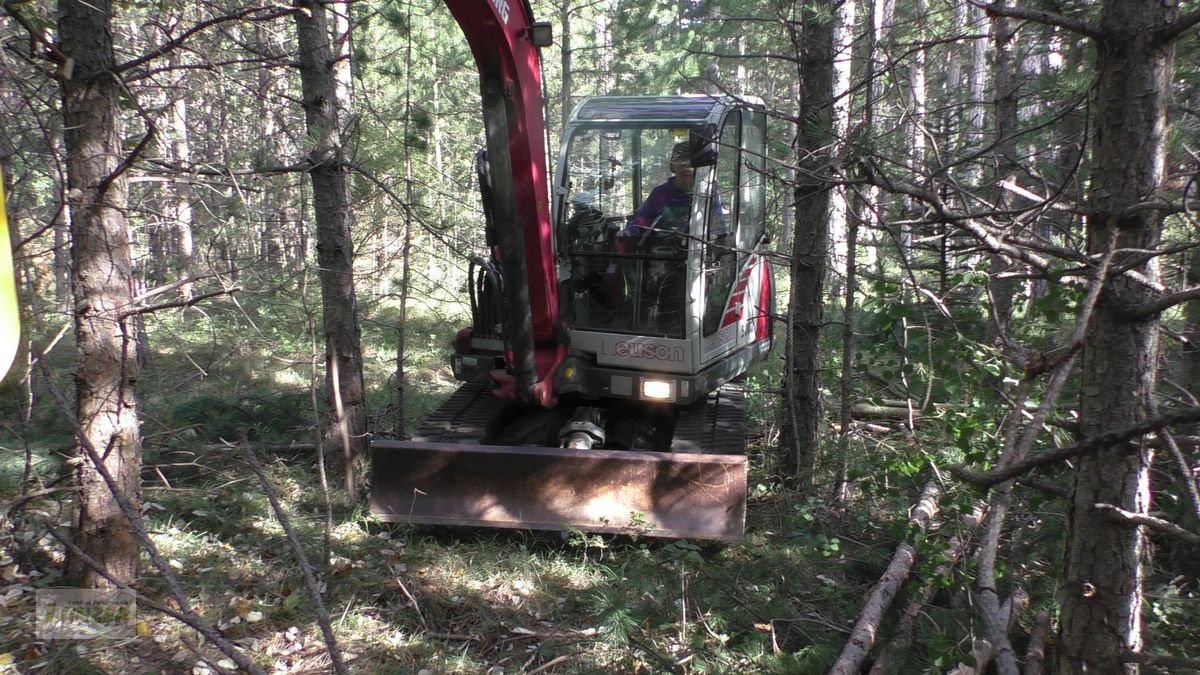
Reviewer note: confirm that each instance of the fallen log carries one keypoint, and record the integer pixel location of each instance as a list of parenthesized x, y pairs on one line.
[(862, 637), (891, 657)]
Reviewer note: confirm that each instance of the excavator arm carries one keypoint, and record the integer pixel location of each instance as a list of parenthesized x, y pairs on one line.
[(505, 40)]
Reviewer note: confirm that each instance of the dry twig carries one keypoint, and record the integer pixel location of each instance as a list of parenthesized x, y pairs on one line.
[(310, 579)]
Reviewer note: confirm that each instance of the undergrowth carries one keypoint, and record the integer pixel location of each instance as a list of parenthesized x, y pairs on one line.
[(460, 600)]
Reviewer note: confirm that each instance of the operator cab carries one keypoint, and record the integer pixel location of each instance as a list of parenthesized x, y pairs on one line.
[(677, 296)]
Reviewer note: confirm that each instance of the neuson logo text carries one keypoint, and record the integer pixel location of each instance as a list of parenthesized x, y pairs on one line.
[(643, 350)]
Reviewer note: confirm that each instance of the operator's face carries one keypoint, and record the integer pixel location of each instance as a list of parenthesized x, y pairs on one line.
[(685, 174)]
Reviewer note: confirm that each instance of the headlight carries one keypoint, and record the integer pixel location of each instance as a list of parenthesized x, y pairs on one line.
[(658, 390)]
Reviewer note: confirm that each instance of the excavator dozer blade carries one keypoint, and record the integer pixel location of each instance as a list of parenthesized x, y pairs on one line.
[(665, 494)]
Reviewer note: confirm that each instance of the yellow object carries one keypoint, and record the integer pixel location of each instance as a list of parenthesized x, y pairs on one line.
[(10, 318)]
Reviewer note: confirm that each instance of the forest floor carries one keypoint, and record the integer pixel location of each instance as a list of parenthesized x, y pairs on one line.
[(443, 600), (406, 599)]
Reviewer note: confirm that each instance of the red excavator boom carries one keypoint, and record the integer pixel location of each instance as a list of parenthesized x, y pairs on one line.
[(505, 40)]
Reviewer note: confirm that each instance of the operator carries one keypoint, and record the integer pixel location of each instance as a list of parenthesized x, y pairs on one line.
[(668, 208), (669, 205)]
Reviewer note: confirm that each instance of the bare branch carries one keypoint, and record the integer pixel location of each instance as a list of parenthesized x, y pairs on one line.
[(1045, 18), (179, 303), (996, 476), (40, 37), (1150, 310), (1185, 469), (1120, 515), (1177, 663), (1181, 25), (127, 162), (249, 14), (310, 579)]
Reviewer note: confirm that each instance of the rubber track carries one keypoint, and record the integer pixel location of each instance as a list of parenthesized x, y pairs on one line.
[(465, 417), (718, 426)]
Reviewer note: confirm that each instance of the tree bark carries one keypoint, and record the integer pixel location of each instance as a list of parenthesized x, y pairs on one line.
[(1102, 594), (1191, 330), (335, 248), (566, 73), (1004, 158), (181, 155), (106, 364), (810, 248)]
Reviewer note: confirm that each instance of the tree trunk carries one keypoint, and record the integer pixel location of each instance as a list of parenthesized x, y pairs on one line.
[(1069, 136), (62, 235), (335, 251), (1102, 593), (401, 376), (181, 156), (843, 45), (1004, 158), (862, 205), (565, 72), (916, 127), (1191, 345), (106, 370), (810, 249)]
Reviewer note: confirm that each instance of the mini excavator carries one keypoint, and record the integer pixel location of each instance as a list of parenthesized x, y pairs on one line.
[(602, 373)]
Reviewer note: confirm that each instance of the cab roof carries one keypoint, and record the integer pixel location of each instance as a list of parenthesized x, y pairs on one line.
[(683, 110)]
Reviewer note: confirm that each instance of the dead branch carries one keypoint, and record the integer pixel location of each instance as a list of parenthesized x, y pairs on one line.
[(1185, 470), (1014, 606), (1017, 444), (1120, 515), (1037, 644), (310, 579), (862, 637), (891, 657), (869, 411), (177, 304), (138, 526), (1082, 27), (185, 615), (1046, 487), (1170, 664), (1153, 309), (1093, 444)]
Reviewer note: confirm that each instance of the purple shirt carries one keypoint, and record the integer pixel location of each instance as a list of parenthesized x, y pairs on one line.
[(668, 201)]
